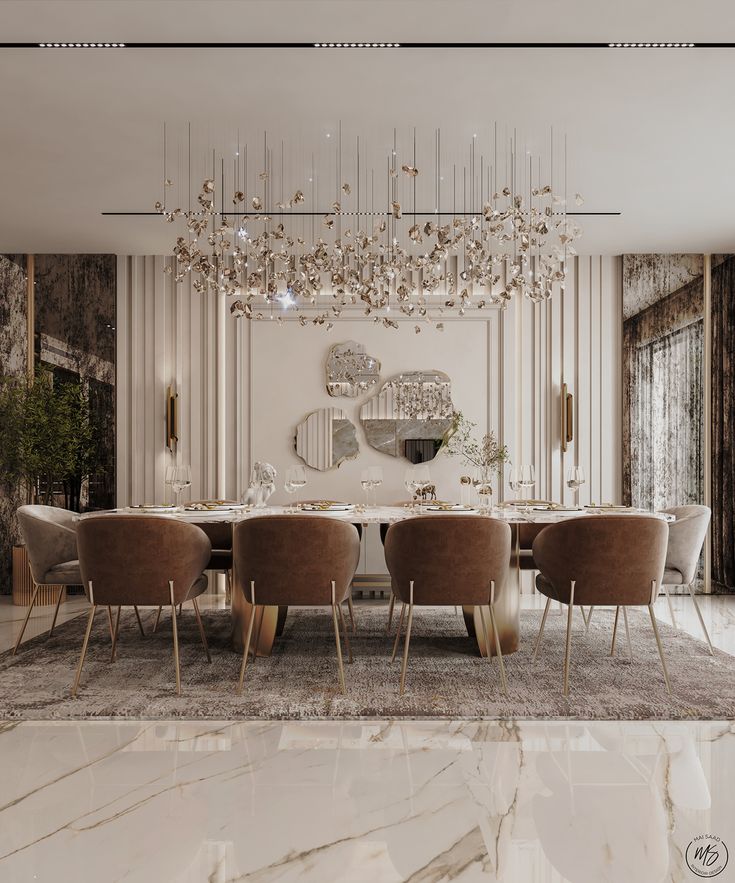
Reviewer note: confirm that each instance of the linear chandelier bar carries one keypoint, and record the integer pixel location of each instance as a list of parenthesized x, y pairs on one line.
[(366, 45)]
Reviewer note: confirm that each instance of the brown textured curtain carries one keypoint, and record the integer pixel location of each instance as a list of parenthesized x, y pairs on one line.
[(663, 397), (723, 423)]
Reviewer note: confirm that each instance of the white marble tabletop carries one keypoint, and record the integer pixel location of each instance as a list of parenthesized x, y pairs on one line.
[(388, 514)]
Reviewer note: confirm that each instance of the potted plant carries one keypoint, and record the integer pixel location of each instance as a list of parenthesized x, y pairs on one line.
[(49, 437), (487, 456)]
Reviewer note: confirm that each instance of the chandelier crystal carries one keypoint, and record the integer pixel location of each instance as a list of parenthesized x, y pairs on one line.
[(288, 258)]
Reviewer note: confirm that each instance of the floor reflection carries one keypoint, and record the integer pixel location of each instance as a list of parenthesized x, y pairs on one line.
[(191, 801)]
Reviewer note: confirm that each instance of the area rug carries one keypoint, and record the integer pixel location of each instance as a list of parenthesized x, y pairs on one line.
[(446, 678)]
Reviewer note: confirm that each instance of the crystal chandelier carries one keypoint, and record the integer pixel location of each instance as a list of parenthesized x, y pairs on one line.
[(286, 257)]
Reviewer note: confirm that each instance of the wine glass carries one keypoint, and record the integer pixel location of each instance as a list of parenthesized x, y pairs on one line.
[(366, 482), (375, 476), (169, 480), (409, 482), (575, 480), (514, 480), (527, 476), (294, 481), (482, 483), (423, 480), (180, 480)]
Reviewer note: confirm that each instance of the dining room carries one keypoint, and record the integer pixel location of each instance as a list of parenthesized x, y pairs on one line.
[(366, 465)]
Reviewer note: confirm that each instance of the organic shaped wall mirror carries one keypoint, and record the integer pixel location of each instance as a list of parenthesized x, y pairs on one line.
[(325, 438), (350, 370), (410, 415)]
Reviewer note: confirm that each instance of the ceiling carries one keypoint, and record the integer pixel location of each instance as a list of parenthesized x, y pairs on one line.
[(650, 132)]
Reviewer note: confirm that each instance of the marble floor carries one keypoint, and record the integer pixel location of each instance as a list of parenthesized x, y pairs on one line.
[(531, 802)]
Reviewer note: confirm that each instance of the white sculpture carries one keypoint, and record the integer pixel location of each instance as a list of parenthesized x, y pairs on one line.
[(262, 485)]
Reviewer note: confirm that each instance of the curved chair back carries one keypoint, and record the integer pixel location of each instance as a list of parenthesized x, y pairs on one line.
[(612, 559), (293, 559), (130, 559), (219, 533), (50, 537), (686, 538), (527, 533), (451, 559)]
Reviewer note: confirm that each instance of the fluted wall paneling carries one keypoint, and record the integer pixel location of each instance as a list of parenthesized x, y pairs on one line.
[(170, 334)]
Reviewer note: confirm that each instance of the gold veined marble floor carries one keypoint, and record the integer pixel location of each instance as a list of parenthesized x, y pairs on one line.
[(533, 802)]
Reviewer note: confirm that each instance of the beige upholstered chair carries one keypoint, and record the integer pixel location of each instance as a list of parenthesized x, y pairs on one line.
[(51, 541), (604, 561), (291, 560), (447, 560), (127, 560), (686, 538)]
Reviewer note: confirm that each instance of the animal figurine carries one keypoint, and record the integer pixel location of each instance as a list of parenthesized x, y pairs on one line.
[(427, 492), (262, 485)]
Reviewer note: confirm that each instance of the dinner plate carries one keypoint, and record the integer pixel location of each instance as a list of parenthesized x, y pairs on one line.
[(457, 507), (155, 507), (327, 506), (214, 507)]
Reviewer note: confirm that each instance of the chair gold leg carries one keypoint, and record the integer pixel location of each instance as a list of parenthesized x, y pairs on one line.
[(228, 593), (351, 608), (660, 649), (347, 637), (568, 649), (246, 646), (627, 633), (499, 651), (110, 622), (406, 643), (589, 620), (615, 631), (87, 633), (584, 618), (398, 632), (158, 619), (176, 637), (201, 629), (140, 623), (339, 649), (28, 616), (114, 635), (701, 620), (537, 645), (337, 640), (260, 629), (56, 610), (671, 607), (391, 608)]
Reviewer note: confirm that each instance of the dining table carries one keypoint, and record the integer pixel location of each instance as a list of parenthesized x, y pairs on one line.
[(270, 620)]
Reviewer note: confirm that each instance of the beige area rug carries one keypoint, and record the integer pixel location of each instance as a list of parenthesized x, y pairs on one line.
[(446, 679)]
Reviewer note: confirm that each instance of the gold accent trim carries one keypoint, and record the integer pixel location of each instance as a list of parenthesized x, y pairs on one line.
[(172, 419), (30, 315), (567, 417), (708, 417)]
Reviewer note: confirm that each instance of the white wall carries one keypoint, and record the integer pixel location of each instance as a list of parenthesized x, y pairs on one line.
[(243, 386)]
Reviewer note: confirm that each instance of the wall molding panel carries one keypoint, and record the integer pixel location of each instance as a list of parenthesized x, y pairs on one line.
[(171, 335)]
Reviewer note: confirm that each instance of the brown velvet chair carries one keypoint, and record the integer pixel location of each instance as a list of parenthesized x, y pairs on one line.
[(51, 542), (447, 560), (137, 559), (358, 527), (295, 560), (601, 561)]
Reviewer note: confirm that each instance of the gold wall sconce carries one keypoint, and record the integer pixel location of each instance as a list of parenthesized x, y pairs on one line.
[(567, 417), (172, 419)]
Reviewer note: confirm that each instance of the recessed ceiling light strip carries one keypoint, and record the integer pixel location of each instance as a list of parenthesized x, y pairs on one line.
[(357, 45)]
